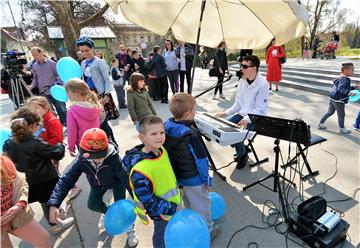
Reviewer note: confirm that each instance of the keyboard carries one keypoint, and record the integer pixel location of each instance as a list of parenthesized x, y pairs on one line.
[(220, 130)]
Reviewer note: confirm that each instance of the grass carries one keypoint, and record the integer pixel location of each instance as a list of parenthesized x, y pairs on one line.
[(295, 53), (347, 51)]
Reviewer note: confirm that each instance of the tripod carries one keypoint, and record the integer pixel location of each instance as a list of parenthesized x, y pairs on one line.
[(18, 89), (276, 175), (280, 129)]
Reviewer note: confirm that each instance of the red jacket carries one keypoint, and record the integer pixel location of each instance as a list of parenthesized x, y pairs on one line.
[(54, 131)]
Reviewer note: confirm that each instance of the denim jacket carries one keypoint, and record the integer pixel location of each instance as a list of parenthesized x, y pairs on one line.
[(100, 75)]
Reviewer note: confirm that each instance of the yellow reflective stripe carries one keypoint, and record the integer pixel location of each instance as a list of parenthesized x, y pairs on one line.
[(170, 193), (139, 205), (165, 217), (181, 204), (143, 217)]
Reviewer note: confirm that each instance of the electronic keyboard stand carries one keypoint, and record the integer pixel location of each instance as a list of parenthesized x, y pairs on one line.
[(211, 161)]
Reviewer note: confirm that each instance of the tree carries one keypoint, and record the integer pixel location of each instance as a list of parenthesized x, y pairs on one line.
[(71, 16), (39, 15), (325, 17), (70, 24)]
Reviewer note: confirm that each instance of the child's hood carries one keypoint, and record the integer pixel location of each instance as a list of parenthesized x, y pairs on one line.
[(134, 156), (86, 111)]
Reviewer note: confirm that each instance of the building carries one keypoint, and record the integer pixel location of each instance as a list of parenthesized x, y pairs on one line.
[(135, 37), (101, 35)]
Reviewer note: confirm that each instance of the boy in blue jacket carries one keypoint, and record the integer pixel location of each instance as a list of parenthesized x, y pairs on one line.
[(339, 96), (99, 159), (188, 158)]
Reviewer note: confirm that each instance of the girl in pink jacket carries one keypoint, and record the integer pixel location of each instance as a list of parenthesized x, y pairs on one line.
[(83, 114)]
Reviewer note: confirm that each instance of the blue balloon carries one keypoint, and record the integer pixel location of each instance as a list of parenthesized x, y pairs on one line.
[(119, 217), (187, 229), (5, 134), (59, 93), (218, 205), (356, 97), (68, 68)]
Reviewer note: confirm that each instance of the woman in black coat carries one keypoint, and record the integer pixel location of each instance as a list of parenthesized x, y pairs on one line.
[(220, 61), (158, 65)]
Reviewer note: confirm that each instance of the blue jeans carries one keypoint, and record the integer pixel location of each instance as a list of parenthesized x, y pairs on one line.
[(357, 121), (60, 108), (120, 93), (159, 233), (240, 147)]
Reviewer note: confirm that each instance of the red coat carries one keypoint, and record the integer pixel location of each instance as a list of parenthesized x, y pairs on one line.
[(273, 64), (54, 130)]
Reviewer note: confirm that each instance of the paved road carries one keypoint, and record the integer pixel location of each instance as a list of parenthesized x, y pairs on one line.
[(244, 207)]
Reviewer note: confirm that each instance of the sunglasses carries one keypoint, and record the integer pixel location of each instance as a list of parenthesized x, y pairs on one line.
[(122, 49), (246, 66)]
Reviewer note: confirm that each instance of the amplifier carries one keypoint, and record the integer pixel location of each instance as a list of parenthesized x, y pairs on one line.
[(319, 240)]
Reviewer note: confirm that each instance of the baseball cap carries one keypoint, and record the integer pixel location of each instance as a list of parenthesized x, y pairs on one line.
[(94, 144)]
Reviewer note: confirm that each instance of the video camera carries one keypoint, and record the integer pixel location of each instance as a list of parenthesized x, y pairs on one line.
[(12, 60)]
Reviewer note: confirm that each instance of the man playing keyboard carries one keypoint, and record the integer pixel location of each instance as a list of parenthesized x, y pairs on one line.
[(251, 98)]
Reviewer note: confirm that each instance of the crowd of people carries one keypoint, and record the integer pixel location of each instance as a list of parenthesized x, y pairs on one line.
[(168, 169)]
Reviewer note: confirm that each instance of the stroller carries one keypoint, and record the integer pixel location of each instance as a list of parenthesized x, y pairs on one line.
[(329, 51)]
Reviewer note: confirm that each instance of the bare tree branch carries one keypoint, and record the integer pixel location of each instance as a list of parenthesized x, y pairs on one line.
[(94, 16)]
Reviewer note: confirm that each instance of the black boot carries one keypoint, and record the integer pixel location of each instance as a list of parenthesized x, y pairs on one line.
[(242, 161)]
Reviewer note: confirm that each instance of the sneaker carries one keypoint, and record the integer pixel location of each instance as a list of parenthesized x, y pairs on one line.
[(215, 232), (344, 130), (101, 224), (214, 97), (132, 239), (62, 225), (222, 96), (356, 128), (64, 131), (74, 192), (321, 125)]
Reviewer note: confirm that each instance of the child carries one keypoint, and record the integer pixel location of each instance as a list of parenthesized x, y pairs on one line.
[(188, 158), (118, 82), (33, 157), (99, 159), (139, 101), (151, 176), (339, 96), (83, 114), (356, 124), (52, 133), (16, 215)]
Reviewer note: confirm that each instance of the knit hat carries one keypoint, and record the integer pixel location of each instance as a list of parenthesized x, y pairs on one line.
[(94, 144)]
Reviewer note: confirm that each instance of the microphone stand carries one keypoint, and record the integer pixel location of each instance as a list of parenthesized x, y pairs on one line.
[(229, 76)]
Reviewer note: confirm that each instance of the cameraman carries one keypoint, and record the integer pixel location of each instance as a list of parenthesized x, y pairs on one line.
[(16, 89), (45, 76)]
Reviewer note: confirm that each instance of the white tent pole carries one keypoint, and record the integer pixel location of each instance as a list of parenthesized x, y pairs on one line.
[(197, 43)]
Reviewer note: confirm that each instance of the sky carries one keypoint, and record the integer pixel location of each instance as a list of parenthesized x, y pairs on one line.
[(6, 19)]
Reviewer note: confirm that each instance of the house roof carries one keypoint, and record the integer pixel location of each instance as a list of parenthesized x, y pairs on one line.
[(94, 32)]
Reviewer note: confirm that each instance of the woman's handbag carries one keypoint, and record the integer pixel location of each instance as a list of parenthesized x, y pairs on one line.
[(214, 71), (112, 113)]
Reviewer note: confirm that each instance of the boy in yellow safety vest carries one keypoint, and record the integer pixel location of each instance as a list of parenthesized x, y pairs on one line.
[(152, 178)]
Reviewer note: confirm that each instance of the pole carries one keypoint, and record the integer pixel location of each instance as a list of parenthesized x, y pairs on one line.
[(17, 31), (203, 3)]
